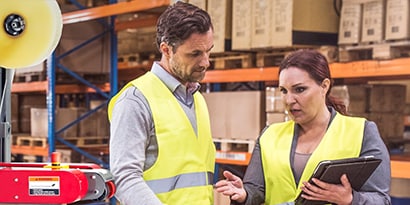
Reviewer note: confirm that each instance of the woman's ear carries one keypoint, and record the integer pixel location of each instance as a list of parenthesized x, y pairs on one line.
[(326, 84)]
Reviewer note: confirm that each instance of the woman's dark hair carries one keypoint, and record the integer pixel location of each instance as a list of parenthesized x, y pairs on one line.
[(314, 63), (179, 21)]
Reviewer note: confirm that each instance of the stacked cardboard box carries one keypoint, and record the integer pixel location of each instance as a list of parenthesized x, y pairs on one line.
[(350, 23), (91, 58), (63, 116), (221, 15), (236, 115), (284, 23), (397, 19), (275, 108), (382, 103), (362, 22), (373, 21)]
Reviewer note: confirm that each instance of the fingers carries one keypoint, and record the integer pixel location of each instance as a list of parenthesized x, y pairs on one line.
[(231, 186), (334, 193), (229, 176), (314, 190), (345, 181), (231, 180)]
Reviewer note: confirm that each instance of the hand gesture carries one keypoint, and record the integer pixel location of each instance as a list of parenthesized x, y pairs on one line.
[(232, 186)]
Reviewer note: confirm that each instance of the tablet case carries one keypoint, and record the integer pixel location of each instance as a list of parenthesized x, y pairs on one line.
[(358, 170)]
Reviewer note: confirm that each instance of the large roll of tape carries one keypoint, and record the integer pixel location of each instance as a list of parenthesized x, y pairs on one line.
[(31, 30)]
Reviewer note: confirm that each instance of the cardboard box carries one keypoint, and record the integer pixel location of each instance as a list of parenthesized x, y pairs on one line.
[(260, 25), (25, 103), (63, 116), (400, 188), (274, 102), (65, 155), (373, 21), (199, 3), (241, 24), (217, 114), (236, 115), (221, 15), (358, 99), (390, 125), (96, 124), (350, 23), (275, 117), (284, 23), (378, 98), (397, 19), (141, 40), (92, 58), (387, 98), (341, 92)]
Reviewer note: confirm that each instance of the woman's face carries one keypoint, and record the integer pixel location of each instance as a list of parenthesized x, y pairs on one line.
[(304, 98)]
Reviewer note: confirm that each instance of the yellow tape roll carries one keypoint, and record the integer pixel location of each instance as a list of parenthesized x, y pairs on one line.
[(31, 30)]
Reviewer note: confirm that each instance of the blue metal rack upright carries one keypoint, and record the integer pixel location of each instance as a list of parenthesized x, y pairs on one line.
[(53, 64)]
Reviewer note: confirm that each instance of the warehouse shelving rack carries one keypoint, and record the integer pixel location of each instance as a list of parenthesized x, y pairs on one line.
[(106, 90), (350, 72)]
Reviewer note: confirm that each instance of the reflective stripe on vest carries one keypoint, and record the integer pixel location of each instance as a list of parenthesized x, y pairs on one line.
[(343, 139), (181, 181)]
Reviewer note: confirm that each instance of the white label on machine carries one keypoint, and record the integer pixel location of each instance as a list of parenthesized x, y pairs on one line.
[(44, 186)]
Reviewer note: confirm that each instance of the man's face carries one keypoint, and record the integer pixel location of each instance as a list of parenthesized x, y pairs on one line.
[(191, 58)]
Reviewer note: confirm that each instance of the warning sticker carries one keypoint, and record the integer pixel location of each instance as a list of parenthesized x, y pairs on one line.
[(44, 185)]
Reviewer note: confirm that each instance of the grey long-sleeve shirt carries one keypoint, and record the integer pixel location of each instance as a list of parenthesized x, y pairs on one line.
[(375, 191), (133, 145)]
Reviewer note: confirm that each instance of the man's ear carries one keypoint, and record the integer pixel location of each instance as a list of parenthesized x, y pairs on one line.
[(165, 49)]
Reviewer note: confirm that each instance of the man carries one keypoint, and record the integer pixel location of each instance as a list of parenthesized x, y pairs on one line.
[(161, 149)]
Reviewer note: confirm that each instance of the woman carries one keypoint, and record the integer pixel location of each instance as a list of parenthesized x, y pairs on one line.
[(287, 153)]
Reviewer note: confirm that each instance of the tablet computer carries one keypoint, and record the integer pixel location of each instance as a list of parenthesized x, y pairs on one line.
[(357, 169)]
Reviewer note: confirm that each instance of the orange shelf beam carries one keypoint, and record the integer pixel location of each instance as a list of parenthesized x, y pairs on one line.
[(241, 75), (147, 21), (29, 150), (37, 86), (42, 86), (129, 65), (371, 68), (400, 169), (112, 9), (358, 69)]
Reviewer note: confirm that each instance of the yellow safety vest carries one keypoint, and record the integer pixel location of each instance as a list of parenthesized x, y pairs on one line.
[(183, 171), (343, 139)]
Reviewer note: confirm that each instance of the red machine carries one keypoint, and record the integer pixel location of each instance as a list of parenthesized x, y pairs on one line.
[(43, 183)]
